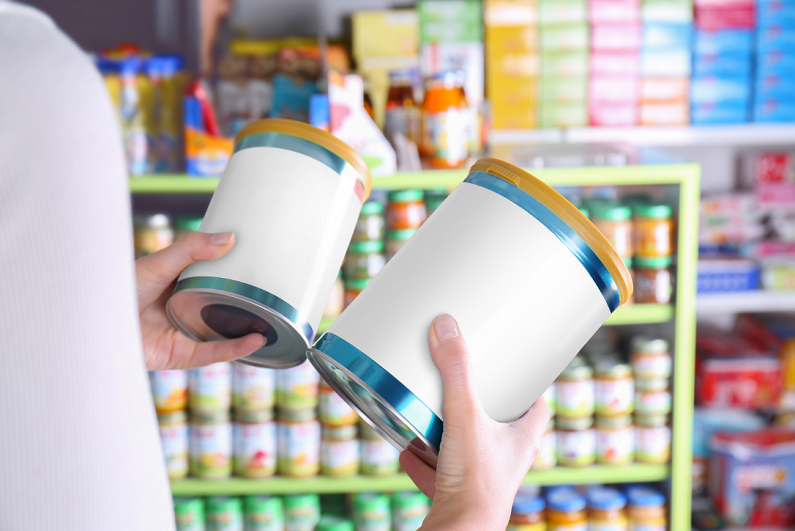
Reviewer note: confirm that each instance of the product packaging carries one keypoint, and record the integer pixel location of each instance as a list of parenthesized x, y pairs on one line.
[(613, 11), (385, 33)]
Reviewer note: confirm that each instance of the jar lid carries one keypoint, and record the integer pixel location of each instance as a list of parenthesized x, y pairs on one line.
[(653, 211), (151, 220), (645, 497), (370, 208), (627, 261), (606, 499), (436, 194), (400, 235), (370, 501), (574, 423), (649, 345), (366, 247), (173, 417), (577, 372), (656, 262), (610, 211), (253, 416), (620, 421), (404, 196), (527, 504), (612, 368), (210, 417), (651, 384), (565, 500), (334, 523), (299, 501), (357, 284), (263, 504), (220, 504), (189, 223), (341, 433), (189, 505), (651, 421), (297, 414)]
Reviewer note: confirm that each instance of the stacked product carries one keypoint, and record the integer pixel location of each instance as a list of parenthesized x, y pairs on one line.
[(365, 256), (775, 62), (665, 62), (512, 63), (564, 42), (153, 232), (614, 85), (722, 61), (405, 212), (298, 437), (339, 451)]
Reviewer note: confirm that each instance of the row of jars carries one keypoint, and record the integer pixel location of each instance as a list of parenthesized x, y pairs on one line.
[(401, 511), (152, 232)]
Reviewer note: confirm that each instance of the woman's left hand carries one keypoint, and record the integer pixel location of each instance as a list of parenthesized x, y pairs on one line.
[(165, 347)]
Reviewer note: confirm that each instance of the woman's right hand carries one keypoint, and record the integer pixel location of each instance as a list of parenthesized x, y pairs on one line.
[(482, 463)]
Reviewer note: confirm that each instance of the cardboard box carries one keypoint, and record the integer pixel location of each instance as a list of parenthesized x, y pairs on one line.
[(722, 64), (450, 21), (666, 11), (616, 37), (511, 39), (608, 89), (441, 57), (775, 63), (564, 37), (564, 91), (613, 114), (775, 87), (507, 116), (664, 114), (775, 12), (509, 66), (563, 116), (510, 13), (725, 17), (664, 90), (615, 63), (385, 33), (562, 11), (713, 89), (524, 91), (775, 38), (720, 112), (737, 41), (568, 64), (614, 11), (665, 63), (770, 110), (663, 36)]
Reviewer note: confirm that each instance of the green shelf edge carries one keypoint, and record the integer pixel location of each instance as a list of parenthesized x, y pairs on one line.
[(398, 482)]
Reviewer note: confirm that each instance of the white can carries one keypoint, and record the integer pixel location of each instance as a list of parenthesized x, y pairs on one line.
[(291, 193), (514, 263)]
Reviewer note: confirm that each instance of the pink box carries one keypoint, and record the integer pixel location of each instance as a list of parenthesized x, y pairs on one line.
[(614, 11), (616, 37), (603, 89), (615, 63), (613, 114), (736, 16)]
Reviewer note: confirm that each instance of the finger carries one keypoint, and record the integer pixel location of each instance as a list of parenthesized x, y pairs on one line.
[(218, 351), (531, 426), (450, 355), (157, 271), (420, 473)]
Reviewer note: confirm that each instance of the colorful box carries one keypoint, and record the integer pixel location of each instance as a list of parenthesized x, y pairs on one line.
[(563, 116), (613, 114), (616, 37), (661, 90), (774, 111), (737, 41), (510, 13), (615, 63), (385, 33), (663, 36), (508, 116), (568, 64), (723, 112), (562, 11), (665, 63), (510, 66), (713, 89), (666, 11), (773, 38), (511, 39), (722, 64), (664, 114), (725, 17), (776, 87), (775, 63), (564, 37), (520, 92), (450, 21), (564, 91), (775, 12), (614, 11), (610, 89)]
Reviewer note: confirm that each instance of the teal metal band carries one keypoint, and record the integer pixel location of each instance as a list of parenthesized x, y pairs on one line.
[(260, 296)]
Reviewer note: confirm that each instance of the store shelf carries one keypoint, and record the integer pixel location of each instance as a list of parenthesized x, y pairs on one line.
[(745, 301), (641, 314), (327, 485)]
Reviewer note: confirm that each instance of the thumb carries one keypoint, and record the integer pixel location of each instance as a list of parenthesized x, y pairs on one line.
[(450, 355)]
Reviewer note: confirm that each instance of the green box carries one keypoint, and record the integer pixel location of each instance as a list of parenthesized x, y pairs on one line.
[(562, 11), (450, 21), (565, 37), (564, 64), (563, 116), (676, 11), (557, 91)]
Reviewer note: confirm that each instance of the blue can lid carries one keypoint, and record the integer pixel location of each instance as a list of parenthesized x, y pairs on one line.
[(527, 504), (645, 497), (566, 501), (606, 499)]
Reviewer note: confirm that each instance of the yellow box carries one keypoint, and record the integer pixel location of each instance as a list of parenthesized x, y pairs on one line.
[(513, 92), (521, 116), (513, 65), (509, 12), (511, 39), (386, 33)]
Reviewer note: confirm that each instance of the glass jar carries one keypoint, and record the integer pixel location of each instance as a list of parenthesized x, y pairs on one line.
[(364, 259), (653, 283), (151, 233), (370, 225), (614, 388), (575, 390), (333, 411), (550, 396), (339, 451), (298, 440), (566, 511), (409, 509), (264, 513), (433, 200), (169, 390), (378, 456), (371, 512), (402, 112), (615, 222), (185, 224), (607, 510), (405, 209), (224, 513), (301, 512), (210, 388), (576, 441), (334, 523), (336, 301), (254, 437), (253, 388), (297, 388), (353, 287), (527, 514), (395, 240), (210, 445), (445, 113), (548, 456), (174, 440), (653, 439), (653, 231), (650, 358), (189, 514), (646, 510), (652, 396), (615, 440)]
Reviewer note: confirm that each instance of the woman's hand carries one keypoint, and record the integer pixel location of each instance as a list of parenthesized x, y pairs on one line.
[(165, 347), (482, 463)]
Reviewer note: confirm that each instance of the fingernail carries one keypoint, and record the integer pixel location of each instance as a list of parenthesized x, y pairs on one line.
[(221, 238), (445, 327)]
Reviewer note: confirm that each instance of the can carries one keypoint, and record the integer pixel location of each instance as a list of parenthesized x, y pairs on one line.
[(371, 512), (264, 513), (210, 388), (279, 171), (169, 390), (334, 523), (224, 514), (174, 441), (189, 514), (471, 259), (332, 410), (254, 441), (298, 443), (339, 451), (253, 388), (297, 387), (210, 446), (409, 510), (301, 512)]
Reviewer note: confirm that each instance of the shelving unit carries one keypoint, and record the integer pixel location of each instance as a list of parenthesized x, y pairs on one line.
[(685, 178), (745, 301)]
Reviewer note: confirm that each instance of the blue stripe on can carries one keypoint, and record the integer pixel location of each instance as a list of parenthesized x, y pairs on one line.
[(592, 264), (296, 144)]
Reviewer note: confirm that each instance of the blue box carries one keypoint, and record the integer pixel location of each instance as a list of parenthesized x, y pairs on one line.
[(775, 87), (740, 41), (719, 113), (713, 89), (775, 12), (774, 111), (660, 35), (675, 62), (775, 63), (720, 64), (773, 38)]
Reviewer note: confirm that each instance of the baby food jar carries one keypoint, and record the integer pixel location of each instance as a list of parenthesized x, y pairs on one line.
[(185, 224), (334, 523), (654, 284), (653, 439), (210, 388), (606, 510), (445, 131), (574, 390), (333, 411), (650, 358), (566, 511), (527, 514), (152, 233), (224, 514), (353, 287), (297, 388), (174, 440), (405, 209), (576, 441), (339, 451), (615, 222), (409, 510), (371, 512), (298, 440), (254, 436), (646, 510), (364, 259), (614, 388), (550, 396), (253, 388), (189, 514), (615, 440), (264, 513), (652, 396), (548, 456), (395, 240), (370, 225), (653, 231), (336, 301), (169, 390), (433, 199), (301, 512), (210, 445), (378, 456)]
